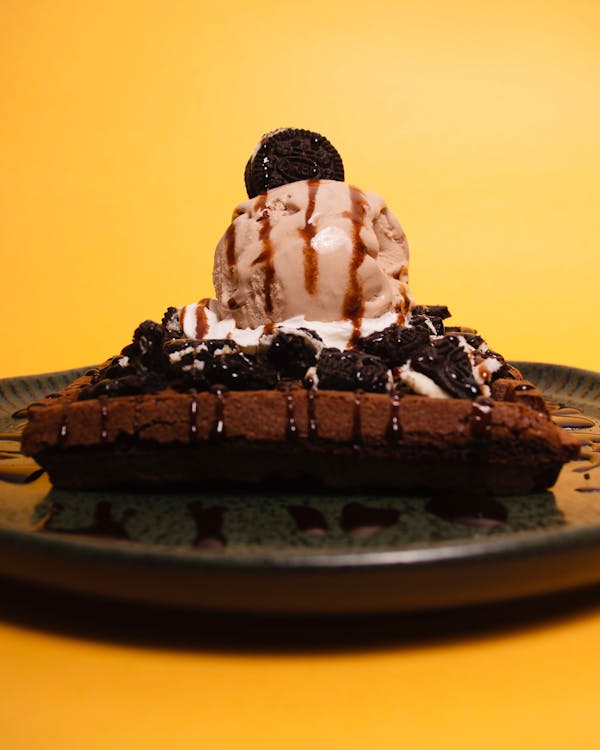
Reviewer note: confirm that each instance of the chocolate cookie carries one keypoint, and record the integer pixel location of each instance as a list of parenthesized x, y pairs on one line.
[(288, 155)]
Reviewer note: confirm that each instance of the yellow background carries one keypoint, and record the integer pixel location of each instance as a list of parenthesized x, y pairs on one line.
[(125, 127), (124, 130)]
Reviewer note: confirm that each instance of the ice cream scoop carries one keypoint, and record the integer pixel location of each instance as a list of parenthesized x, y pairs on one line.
[(321, 249)]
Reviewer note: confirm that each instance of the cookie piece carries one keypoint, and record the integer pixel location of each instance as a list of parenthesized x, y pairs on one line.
[(290, 352), (349, 370), (289, 155), (447, 364), (241, 372), (395, 344)]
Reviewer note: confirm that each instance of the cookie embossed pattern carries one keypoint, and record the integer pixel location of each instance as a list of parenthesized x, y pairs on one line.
[(312, 367)]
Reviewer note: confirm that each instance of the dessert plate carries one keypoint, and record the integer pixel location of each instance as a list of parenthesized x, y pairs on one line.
[(286, 552)]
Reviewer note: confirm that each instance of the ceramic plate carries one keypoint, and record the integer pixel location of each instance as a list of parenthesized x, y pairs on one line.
[(309, 553)]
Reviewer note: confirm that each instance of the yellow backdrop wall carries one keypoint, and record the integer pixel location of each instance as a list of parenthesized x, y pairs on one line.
[(125, 127)]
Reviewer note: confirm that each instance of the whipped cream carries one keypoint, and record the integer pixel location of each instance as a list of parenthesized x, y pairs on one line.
[(335, 334)]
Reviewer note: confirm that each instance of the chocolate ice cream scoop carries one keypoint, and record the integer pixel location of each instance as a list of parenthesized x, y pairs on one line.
[(321, 249)]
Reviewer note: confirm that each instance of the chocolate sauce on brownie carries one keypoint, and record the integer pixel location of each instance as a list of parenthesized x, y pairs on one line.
[(218, 431), (311, 413), (103, 401), (481, 419), (63, 428), (194, 417), (357, 436), (291, 429), (137, 406), (393, 431)]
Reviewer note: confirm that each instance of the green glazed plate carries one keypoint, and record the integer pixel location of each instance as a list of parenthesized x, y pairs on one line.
[(286, 552)]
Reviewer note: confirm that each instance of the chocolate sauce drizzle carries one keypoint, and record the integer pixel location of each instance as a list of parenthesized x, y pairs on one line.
[(201, 319), (291, 430), (182, 316), (63, 428), (103, 401), (230, 248), (308, 231), (481, 419), (354, 307), (137, 405), (311, 410), (266, 256), (218, 430), (572, 421), (194, 416), (393, 431), (481, 425), (357, 436)]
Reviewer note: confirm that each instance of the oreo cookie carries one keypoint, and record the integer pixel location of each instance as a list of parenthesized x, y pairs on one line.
[(146, 350), (437, 311), (291, 354), (128, 385), (395, 344), (171, 324), (288, 155), (349, 371), (445, 362), (240, 372), (430, 323), (116, 368)]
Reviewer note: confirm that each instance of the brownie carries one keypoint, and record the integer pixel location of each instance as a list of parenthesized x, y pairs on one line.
[(177, 412)]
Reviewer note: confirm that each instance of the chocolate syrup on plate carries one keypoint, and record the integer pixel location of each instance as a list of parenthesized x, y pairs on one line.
[(209, 525), (571, 421), (103, 525)]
